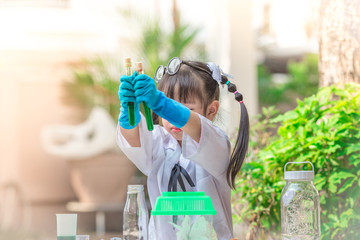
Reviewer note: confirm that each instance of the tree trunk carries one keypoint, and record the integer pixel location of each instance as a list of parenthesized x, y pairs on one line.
[(339, 42)]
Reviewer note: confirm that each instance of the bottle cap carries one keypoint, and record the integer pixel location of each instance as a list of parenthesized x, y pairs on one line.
[(135, 188), (299, 175)]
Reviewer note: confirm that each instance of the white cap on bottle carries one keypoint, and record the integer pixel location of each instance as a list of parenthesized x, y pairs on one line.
[(299, 175)]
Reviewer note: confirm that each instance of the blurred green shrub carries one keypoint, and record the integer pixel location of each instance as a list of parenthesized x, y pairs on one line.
[(304, 76), (270, 93), (323, 129), (302, 82), (94, 84)]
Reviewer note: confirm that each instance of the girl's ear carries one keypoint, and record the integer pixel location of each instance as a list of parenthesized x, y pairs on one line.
[(212, 110)]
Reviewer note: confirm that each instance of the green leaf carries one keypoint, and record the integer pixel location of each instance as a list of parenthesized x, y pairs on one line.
[(332, 188), (353, 148), (340, 92), (333, 217), (320, 182), (322, 199), (285, 117), (333, 235), (265, 222), (338, 176), (355, 159), (345, 217), (346, 185)]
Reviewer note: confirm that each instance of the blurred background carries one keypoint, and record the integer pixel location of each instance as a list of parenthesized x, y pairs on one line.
[(60, 64)]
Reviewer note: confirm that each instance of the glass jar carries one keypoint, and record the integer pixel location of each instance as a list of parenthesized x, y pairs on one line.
[(135, 215), (300, 206)]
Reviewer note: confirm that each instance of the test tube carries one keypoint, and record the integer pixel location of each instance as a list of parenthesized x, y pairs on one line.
[(131, 106), (148, 117)]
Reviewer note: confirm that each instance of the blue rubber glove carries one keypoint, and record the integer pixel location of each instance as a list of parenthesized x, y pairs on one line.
[(174, 112), (127, 94)]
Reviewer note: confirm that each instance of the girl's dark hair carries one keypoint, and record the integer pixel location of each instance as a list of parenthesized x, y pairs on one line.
[(194, 79)]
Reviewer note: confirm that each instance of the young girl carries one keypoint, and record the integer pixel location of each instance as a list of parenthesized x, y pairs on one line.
[(188, 146)]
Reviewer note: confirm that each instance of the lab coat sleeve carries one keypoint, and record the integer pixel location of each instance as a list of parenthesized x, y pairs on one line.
[(143, 156), (213, 150)]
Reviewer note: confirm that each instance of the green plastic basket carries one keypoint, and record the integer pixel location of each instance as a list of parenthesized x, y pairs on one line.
[(183, 203)]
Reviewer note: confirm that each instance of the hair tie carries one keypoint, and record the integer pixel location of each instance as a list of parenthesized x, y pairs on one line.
[(241, 101), (235, 92), (217, 72)]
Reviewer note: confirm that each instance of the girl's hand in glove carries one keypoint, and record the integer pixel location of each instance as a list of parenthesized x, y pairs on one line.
[(127, 94)]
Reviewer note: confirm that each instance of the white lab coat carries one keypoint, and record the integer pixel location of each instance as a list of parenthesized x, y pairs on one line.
[(206, 162)]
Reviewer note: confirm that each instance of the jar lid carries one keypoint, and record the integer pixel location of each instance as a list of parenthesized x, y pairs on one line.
[(299, 175)]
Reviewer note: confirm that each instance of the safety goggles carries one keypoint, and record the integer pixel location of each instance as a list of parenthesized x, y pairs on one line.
[(171, 69)]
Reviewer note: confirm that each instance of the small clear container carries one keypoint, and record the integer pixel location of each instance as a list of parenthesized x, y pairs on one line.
[(183, 215), (135, 215), (300, 206), (66, 225)]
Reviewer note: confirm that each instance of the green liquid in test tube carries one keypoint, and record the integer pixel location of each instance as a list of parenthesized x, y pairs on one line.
[(66, 237), (131, 107), (148, 117)]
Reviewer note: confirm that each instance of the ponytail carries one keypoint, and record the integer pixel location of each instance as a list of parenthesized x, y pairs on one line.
[(238, 155)]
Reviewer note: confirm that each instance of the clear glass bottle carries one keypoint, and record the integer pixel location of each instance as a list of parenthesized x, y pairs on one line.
[(300, 206), (136, 216)]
